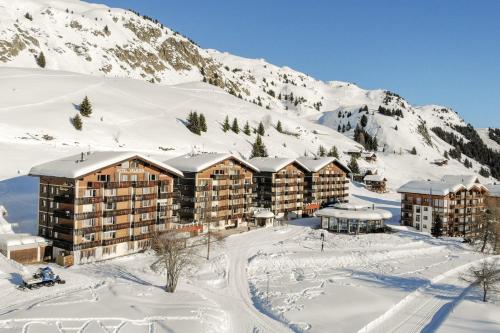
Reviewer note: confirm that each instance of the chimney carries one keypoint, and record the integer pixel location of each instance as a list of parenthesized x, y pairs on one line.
[(82, 157)]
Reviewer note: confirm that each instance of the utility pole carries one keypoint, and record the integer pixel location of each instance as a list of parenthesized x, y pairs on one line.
[(208, 242)]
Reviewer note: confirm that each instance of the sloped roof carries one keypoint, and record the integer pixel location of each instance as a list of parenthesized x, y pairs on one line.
[(452, 184), (74, 166), (274, 164), (466, 180), (316, 164), (199, 162)]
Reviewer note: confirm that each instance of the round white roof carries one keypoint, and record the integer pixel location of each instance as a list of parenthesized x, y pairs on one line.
[(360, 214), (264, 214)]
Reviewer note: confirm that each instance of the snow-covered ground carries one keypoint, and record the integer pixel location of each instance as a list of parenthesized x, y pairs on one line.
[(268, 280)]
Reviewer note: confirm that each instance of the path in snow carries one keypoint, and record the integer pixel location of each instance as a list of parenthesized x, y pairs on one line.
[(235, 298), (424, 309)]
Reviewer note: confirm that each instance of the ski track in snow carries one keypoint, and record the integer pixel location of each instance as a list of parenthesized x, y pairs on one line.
[(419, 309)]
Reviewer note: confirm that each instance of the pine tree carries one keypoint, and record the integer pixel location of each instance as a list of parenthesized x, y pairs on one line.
[(467, 163), (396, 127), (321, 151), (106, 30), (235, 127), (353, 165), (413, 151), (484, 172), (76, 121), (261, 129), (437, 227), (333, 152), (279, 127), (364, 120), (202, 122), (339, 128), (446, 155), (258, 148), (40, 60), (246, 129), (85, 107), (226, 127)]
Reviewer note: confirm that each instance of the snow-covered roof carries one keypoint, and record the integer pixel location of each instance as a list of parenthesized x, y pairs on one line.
[(10, 240), (263, 214), (202, 161), (494, 190), (448, 184), (316, 164), (367, 214), (466, 180), (374, 178), (274, 164), (74, 166)]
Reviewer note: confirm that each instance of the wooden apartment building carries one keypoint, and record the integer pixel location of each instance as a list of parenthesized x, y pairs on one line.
[(280, 185), (457, 200), (217, 189), (325, 181), (101, 205)]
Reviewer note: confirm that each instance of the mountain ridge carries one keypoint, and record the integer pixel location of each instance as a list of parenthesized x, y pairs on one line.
[(97, 40)]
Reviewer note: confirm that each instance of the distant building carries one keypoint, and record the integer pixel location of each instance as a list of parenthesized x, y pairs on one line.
[(280, 185), (375, 183), (458, 200), (325, 182), (441, 161), (217, 188), (353, 219), (102, 205), (356, 152), (369, 156)]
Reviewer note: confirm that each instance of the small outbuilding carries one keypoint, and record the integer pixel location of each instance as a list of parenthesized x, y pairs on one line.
[(264, 218), (23, 248), (353, 219)]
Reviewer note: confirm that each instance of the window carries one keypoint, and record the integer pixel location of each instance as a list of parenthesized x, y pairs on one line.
[(88, 223), (109, 234), (144, 229), (124, 178), (426, 217), (109, 220), (103, 178), (110, 206), (152, 177), (134, 164), (89, 237), (144, 216), (417, 218), (426, 209), (134, 178)]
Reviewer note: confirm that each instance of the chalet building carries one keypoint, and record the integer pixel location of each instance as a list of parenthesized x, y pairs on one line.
[(375, 183), (440, 162), (217, 189), (280, 185), (325, 182), (356, 152), (102, 205), (457, 200)]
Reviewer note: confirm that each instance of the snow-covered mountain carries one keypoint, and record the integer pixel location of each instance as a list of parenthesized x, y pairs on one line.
[(108, 47)]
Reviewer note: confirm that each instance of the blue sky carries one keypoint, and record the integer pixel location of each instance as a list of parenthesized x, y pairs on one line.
[(443, 52)]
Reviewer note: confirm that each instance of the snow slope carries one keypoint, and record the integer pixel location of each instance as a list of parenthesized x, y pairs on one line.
[(96, 40)]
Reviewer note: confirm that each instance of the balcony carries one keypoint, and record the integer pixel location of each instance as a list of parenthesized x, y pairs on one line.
[(143, 223), (119, 198), (114, 227), (110, 213), (114, 241), (88, 200), (141, 210)]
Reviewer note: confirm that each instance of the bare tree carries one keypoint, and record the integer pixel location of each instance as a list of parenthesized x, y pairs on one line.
[(173, 256), (487, 234), (486, 275)]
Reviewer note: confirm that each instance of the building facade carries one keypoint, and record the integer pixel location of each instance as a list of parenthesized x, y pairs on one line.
[(217, 189), (375, 183), (101, 205), (353, 219), (458, 201), (280, 185), (325, 181)]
